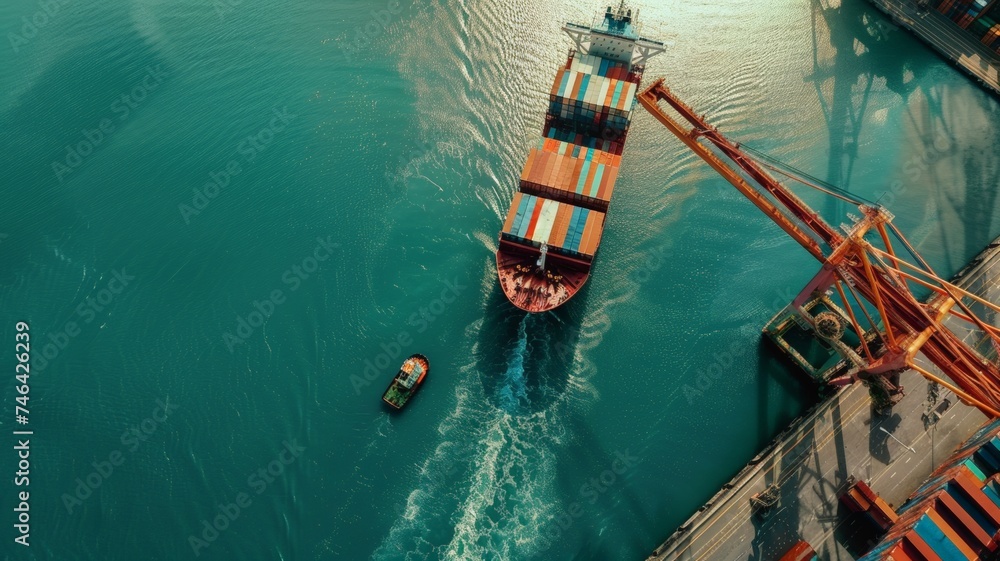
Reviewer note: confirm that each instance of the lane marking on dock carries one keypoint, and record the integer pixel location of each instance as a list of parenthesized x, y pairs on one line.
[(729, 528), (787, 473), (786, 451)]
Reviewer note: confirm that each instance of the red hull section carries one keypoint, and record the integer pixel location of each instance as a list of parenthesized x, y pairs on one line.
[(533, 290)]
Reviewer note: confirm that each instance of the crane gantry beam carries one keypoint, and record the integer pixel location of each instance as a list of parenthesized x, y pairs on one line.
[(849, 259)]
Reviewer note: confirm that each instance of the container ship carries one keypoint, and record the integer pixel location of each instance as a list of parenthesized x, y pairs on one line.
[(555, 222)]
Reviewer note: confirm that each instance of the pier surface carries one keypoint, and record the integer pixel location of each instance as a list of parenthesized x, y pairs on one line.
[(839, 438), (944, 35)]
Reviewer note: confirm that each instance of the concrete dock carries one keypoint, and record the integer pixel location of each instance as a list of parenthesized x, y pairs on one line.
[(811, 461), (944, 35)]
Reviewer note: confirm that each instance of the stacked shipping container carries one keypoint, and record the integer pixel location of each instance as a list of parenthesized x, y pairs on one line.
[(571, 174), (860, 498), (569, 230), (568, 179), (962, 12), (956, 513), (592, 104), (589, 64), (992, 37), (978, 17)]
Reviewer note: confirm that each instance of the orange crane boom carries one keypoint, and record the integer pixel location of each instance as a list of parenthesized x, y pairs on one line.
[(850, 261)]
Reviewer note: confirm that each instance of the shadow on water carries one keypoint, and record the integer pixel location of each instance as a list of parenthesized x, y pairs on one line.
[(72, 95), (866, 47), (593, 482), (975, 158), (777, 370), (525, 360)]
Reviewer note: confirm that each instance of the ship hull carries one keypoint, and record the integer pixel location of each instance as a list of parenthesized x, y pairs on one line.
[(534, 290)]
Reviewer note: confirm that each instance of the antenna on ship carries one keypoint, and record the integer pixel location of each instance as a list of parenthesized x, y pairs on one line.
[(541, 259)]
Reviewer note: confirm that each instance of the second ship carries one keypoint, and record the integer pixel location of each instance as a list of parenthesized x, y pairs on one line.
[(555, 222)]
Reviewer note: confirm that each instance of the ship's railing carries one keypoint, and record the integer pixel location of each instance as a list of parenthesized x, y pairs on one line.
[(653, 41), (555, 254)]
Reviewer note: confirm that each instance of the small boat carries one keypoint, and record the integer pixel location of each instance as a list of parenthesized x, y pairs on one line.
[(407, 381)]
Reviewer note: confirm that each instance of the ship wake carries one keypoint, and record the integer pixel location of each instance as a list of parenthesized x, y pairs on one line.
[(514, 392), (487, 492)]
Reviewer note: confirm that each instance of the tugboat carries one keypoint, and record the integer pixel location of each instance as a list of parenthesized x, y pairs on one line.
[(407, 381)]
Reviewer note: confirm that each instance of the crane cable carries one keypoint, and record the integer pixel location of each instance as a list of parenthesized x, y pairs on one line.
[(804, 178)]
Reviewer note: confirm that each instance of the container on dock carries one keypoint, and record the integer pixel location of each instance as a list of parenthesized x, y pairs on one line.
[(956, 514), (860, 498), (569, 231), (962, 12), (974, 17), (991, 37)]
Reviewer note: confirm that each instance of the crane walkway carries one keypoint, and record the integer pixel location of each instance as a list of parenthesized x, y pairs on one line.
[(839, 438)]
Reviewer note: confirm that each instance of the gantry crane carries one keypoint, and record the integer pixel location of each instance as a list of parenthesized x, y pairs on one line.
[(853, 263)]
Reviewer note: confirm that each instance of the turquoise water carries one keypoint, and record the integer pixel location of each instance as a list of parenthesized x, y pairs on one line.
[(251, 212)]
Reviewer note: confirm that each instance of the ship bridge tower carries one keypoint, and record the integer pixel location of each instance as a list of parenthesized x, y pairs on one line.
[(615, 36)]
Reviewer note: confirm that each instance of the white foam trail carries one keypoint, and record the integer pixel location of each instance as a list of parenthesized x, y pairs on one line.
[(487, 490)]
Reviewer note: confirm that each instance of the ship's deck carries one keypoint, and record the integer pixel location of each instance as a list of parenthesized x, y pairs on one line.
[(533, 290)]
